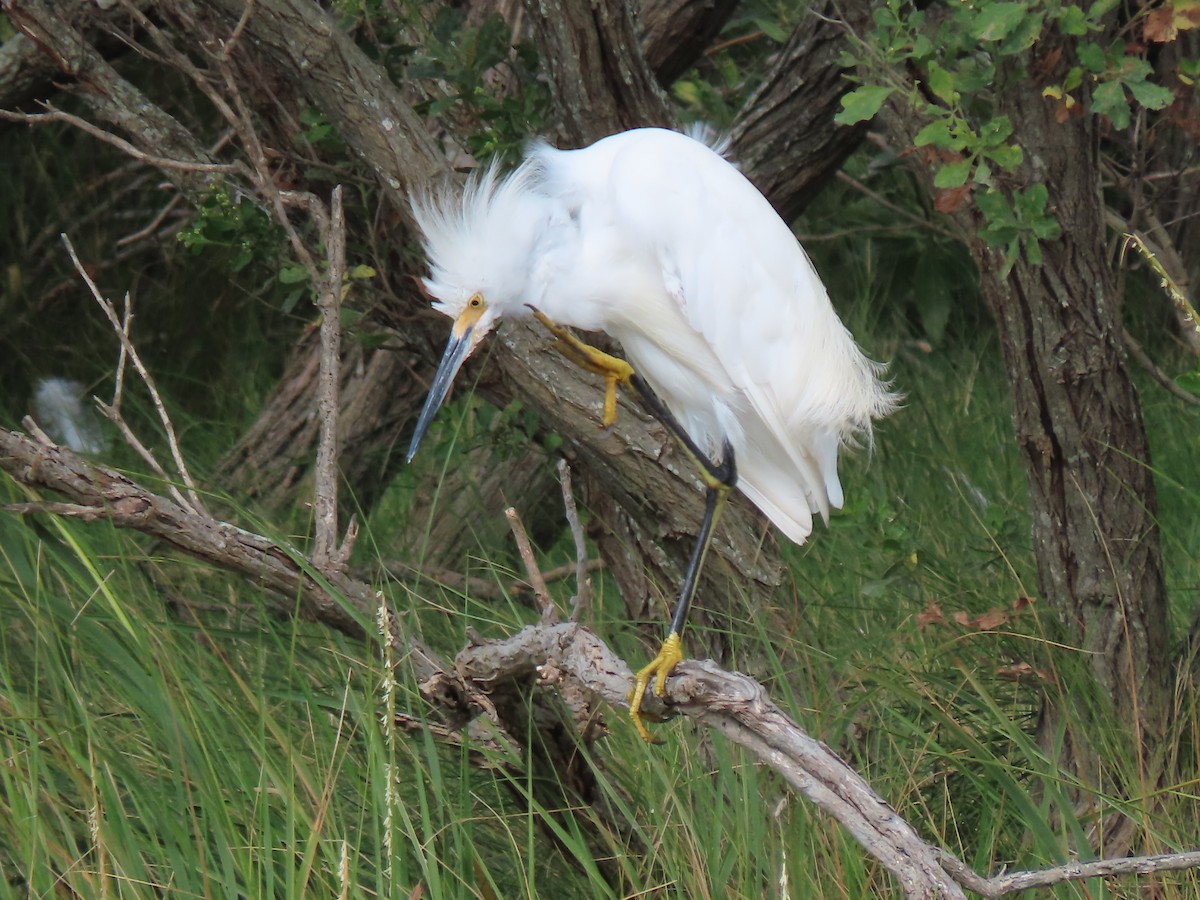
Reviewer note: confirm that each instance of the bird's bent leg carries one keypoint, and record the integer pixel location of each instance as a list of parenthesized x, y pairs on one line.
[(614, 370), (718, 480), (714, 475)]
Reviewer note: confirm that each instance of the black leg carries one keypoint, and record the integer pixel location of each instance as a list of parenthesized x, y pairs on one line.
[(718, 478), (716, 475)]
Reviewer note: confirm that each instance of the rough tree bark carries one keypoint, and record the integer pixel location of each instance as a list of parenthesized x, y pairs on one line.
[(598, 75), (784, 138), (676, 32), (1080, 430)]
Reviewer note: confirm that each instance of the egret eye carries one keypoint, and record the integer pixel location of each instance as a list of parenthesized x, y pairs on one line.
[(475, 302)]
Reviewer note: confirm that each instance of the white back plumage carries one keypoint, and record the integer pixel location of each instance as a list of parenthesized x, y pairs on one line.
[(652, 237)]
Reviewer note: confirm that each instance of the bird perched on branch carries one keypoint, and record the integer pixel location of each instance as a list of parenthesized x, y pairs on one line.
[(729, 337)]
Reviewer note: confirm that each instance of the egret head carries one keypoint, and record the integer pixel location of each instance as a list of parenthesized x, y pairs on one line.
[(480, 248)]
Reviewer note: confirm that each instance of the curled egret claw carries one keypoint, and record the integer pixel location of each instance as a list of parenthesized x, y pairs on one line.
[(615, 370), (669, 656)]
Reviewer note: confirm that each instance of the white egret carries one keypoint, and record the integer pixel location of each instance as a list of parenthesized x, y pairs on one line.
[(655, 239)]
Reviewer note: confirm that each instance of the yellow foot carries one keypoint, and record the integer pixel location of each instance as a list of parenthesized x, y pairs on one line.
[(669, 656), (614, 370)]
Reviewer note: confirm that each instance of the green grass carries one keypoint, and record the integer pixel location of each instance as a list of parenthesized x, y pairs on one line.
[(162, 732)]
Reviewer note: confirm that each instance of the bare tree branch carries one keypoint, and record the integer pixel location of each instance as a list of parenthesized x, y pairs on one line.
[(150, 159), (329, 301), (541, 593), (676, 32), (583, 584)]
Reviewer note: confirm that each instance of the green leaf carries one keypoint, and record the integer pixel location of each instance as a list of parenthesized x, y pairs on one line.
[(936, 133), (1073, 21), (1150, 95), (1032, 202), (996, 131), (361, 271), (953, 175), (772, 29), (1190, 381), (1091, 56), (292, 298), (996, 21), (1109, 99), (372, 340), (862, 104), (1001, 224), (942, 83), (293, 275), (1006, 156), (1047, 228)]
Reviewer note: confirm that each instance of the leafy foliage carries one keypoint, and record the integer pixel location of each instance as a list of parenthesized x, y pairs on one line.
[(489, 83), (964, 54), (241, 228)]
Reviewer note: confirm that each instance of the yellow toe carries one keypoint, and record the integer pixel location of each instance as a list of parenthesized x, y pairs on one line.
[(669, 656)]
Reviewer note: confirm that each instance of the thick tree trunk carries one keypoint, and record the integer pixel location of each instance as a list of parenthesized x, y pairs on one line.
[(1080, 430)]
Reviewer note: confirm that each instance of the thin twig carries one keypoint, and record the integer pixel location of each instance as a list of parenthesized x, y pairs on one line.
[(122, 354), (161, 162), (114, 415), (583, 584), (36, 430), (342, 557), (488, 588), (1164, 259), (243, 124), (230, 42), (1168, 383), (149, 229), (540, 591), (892, 207), (193, 501)]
